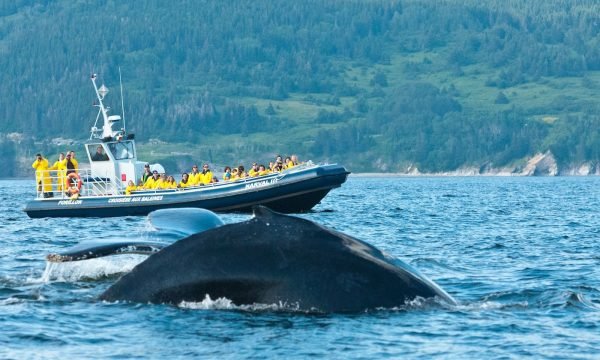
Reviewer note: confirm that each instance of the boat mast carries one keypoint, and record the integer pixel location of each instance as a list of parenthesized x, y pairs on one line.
[(122, 101), (107, 130)]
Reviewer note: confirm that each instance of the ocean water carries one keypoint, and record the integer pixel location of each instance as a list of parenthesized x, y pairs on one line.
[(520, 255)]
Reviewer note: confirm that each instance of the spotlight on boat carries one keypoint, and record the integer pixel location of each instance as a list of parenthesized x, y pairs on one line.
[(103, 91)]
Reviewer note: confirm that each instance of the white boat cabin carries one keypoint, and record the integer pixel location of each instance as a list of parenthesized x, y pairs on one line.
[(114, 160), (110, 150)]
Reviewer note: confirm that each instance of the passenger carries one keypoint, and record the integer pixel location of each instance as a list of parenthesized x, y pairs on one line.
[(241, 172), (195, 176), (185, 181), (140, 185), (214, 180), (72, 189), (147, 173), (227, 173), (295, 160), (100, 155), (278, 167), (162, 182), (278, 158), (60, 166), (71, 164), (73, 160), (152, 182), (271, 165), (288, 163), (42, 178), (262, 170), (207, 175), (234, 174), (130, 187), (170, 183), (254, 170)]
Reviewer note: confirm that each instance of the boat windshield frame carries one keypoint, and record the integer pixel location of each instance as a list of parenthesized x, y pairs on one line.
[(122, 150)]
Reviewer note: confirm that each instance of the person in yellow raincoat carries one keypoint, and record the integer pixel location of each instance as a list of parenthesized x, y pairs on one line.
[(60, 166), (195, 176), (234, 174), (161, 183), (185, 181), (171, 183), (153, 182), (262, 170), (42, 178), (288, 163), (206, 175), (130, 187), (253, 170)]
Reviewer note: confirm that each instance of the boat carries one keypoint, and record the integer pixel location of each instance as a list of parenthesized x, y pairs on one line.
[(100, 190)]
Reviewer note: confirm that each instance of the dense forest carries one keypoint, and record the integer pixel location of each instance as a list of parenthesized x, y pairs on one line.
[(375, 85)]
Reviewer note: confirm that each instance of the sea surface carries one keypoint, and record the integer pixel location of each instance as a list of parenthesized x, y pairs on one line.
[(520, 255)]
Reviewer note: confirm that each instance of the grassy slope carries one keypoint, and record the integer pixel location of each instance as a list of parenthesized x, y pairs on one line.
[(534, 98)]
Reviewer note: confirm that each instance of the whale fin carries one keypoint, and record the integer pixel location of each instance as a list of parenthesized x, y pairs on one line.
[(101, 248), (260, 211)]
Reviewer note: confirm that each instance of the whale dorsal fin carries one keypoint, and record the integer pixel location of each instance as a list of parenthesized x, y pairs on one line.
[(261, 211)]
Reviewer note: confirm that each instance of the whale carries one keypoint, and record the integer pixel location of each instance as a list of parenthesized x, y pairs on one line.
[(273, 259), (173, 224)]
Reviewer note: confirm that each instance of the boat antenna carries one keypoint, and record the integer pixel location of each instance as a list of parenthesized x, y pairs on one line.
[(122, 103)]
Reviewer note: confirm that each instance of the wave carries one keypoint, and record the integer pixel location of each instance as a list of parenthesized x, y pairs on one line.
[(430, 263), (226, 304), (222, 303), (548, 299)]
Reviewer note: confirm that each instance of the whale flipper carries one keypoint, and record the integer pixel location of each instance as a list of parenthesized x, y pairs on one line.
[(176, 223), (106, 247)]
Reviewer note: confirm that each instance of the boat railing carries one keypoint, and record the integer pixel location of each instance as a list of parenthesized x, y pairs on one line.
[(221, 183), (60, 184), (53, 183)]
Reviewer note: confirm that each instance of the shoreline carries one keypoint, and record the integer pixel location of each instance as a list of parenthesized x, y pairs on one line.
[(405, 175)]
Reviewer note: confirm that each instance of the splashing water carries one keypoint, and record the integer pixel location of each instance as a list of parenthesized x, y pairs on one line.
[(88, 270)]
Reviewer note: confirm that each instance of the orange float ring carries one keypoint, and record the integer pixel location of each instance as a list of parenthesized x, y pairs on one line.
[(72, 189)]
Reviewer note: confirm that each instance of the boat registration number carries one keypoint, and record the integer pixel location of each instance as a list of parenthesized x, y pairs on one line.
[(260, 184)]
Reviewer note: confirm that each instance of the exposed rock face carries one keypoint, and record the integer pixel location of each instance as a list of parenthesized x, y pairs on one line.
[(541, 165), (581, 170)]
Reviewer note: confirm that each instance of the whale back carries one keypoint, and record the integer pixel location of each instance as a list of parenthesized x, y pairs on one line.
[(275, 259)]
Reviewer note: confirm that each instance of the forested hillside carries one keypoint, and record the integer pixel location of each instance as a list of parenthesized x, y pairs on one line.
[(375, 85)]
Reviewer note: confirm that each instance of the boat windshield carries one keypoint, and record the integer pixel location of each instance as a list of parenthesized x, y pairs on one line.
[(122, 150)]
